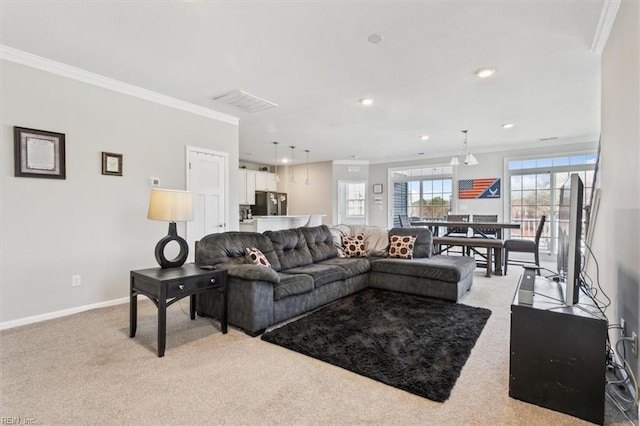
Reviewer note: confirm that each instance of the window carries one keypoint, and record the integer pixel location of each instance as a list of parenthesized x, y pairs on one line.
[(421, 193), (534, 191), (355, 199)]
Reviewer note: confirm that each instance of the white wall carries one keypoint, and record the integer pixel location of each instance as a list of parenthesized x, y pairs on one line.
[(616, 241), (491, 165), (89, 224)]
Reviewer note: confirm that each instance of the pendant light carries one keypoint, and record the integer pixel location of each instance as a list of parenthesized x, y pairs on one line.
[(469, 158), (277, 178), (293, 160), (307, 181)]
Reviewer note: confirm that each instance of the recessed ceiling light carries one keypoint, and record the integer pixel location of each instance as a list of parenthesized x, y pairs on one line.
[(375, 38), (424, 137), (508, 125), (366, 101), (485, 72), (285, 160)]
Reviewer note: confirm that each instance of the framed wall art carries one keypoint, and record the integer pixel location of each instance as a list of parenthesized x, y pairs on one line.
[(478, 188), (377, 188), (111, 164), (39, 153)]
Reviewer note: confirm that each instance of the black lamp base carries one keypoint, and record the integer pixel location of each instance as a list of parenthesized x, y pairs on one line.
[(180, 258)]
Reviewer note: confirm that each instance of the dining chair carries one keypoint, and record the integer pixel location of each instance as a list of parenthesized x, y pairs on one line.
[(404, 221), (483, 232), (457, 230), (524, 246)]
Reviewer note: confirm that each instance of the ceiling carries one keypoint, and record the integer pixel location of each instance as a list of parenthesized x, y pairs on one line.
[(314, 60)]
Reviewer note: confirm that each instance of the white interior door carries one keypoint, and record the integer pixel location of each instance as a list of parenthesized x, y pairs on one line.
[(352, 202), (207, 180)]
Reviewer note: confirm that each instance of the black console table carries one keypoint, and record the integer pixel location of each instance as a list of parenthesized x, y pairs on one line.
[(166, 286), (558, 353)]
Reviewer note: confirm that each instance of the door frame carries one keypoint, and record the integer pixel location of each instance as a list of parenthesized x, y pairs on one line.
[(188, 150)]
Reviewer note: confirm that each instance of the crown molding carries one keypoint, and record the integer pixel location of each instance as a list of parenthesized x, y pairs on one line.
[(607, 18), (30, 60)]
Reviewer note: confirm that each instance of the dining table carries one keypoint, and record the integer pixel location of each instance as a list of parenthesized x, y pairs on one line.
[(468, 242), (435, 226)]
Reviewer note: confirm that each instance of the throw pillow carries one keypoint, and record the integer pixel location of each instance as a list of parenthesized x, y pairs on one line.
[(354, 246), (255, 256), (401, 246)]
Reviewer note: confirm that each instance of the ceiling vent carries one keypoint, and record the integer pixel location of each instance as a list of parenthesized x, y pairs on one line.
[(245, 101)]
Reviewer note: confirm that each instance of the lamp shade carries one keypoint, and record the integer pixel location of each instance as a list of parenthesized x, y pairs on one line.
[(170, 205), (454, 161), (470, 160)]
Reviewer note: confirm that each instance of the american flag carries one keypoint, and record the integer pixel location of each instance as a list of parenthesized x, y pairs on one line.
[(479, 188)]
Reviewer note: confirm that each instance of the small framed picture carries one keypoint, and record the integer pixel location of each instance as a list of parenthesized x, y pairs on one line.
[(377, 188), (111, 164), (39, 153)]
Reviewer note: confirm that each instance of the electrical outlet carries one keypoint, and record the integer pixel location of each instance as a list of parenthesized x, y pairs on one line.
[(76, 281), (634, 344)]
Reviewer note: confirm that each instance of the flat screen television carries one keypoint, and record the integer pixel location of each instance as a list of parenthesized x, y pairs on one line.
[(569, 237)]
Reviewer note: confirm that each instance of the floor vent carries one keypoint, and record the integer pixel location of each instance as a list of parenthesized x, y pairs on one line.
[(245, 101)]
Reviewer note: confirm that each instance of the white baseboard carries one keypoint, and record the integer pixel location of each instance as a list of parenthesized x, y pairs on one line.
[(63, 313)]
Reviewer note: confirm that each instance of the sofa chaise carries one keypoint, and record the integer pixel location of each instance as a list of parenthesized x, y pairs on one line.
[(306, 271)]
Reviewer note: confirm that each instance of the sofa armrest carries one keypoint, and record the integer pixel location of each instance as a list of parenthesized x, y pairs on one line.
[(253, 273)]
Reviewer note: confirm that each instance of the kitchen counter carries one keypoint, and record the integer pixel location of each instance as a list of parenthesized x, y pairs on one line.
[(275, 223)]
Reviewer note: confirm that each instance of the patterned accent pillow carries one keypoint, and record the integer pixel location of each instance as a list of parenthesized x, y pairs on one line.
[(401, 246), (256, 257), (354, 246)]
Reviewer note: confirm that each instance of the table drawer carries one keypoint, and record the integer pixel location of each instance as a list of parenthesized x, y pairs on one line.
[(182, 287)]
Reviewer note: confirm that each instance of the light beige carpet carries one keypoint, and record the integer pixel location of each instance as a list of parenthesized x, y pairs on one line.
[(84, 369)]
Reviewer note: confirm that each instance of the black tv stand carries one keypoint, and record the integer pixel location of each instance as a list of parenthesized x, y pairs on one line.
[(558, 352)]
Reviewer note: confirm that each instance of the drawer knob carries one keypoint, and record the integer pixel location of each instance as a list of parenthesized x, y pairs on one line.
[(213, 280), (181, 286)]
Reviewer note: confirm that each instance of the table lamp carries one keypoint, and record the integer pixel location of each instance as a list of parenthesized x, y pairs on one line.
[(171, 206)]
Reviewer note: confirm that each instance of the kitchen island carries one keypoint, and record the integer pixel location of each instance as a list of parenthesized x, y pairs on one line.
[(275, 223)]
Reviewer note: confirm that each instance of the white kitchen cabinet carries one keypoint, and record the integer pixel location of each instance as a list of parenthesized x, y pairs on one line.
[(266, 181), (247, 187)]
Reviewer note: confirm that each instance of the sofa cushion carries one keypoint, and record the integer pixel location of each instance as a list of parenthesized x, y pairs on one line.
[(354, 246), (320, 242), (322, 273), (401, 246), (423, 247), (338, 232), (352, 266), (256, 257), (376, 239), (229, 247), (442, 268), (291, 285), (290, 247)]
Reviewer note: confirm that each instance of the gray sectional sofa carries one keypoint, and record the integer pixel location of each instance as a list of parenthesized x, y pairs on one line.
[(307, 272)]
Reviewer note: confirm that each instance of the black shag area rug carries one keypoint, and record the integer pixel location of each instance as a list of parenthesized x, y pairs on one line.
[(413, 343)]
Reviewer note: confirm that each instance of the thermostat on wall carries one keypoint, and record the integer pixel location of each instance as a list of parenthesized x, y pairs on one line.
[(154, 181)]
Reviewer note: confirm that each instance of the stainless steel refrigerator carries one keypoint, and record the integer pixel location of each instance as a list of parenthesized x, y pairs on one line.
[(270, 204)]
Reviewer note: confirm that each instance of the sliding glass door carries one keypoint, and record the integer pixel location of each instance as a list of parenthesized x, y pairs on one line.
[(534, 191)]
